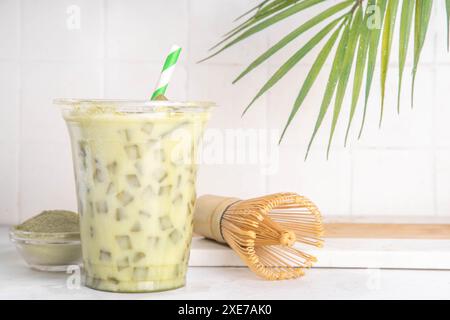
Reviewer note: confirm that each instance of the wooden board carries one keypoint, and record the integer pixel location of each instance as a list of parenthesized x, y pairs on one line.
[(387, 231)]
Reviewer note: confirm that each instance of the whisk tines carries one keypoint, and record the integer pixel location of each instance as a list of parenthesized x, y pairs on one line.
[(263, 231)]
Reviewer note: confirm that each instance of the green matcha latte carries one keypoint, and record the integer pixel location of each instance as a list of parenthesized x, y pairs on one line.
[(135, 172)]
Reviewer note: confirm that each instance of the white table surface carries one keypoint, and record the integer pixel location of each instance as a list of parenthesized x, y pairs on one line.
[(17, 281)]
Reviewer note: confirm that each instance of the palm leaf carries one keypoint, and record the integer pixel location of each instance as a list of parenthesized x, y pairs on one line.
[(255, 8), (331, 84), (292, 61), (263, 13), (359, 71), (345, 72), (279, 4), (421, 22), (388, 32), (352, 36), (311, 77), (375, 35), (268, 22), (405, 30), (294, 34)]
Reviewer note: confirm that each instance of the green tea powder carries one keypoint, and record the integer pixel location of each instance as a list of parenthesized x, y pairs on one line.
[(52, 221)]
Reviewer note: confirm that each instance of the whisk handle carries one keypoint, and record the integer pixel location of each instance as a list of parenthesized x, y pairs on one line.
[(208, 214)]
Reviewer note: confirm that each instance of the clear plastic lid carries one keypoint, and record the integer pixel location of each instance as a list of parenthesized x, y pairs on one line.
[(134, 106)]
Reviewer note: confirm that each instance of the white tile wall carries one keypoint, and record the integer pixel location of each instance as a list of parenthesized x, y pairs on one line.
[(443, 182), (393, 182), (9, 28), (48, 163), (143, 30), (41, 82), (210, 20), (139, 79), (327, 183), (9, 140), (116, 52), (49, 32)]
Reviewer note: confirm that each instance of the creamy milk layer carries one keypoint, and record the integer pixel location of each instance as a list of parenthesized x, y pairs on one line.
[(135, 176)]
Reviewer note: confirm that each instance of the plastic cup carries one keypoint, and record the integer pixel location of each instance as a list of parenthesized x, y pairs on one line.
[(135, 171)]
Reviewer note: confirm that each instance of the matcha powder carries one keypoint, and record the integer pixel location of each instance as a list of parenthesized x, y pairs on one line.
[(53, 221)]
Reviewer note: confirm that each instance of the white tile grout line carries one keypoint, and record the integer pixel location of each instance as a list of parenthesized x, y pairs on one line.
[(352, 168), (433, 117), (103, 47), (18, 192), (268, 126), (188, 51)]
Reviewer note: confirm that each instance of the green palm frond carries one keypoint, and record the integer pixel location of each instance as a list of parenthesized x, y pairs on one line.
[(356, 32), (363, 49), (405, 30), (447, 8), (347, 62), (388, 33), (421, 22)]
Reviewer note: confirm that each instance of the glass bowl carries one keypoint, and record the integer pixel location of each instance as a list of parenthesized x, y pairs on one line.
[(47, 251)]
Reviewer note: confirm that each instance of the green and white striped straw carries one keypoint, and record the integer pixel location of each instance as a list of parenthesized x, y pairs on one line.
[(167, 71)]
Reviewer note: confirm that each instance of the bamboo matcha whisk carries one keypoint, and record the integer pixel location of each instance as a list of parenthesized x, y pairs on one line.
[(262, 231)]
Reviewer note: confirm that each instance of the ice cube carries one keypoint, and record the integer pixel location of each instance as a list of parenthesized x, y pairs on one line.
[(138, 256), (159, 155), (139, 168), (178, 199), (133, 152), (144, 213), (179, 179), (82, 149), (140, 273), (148, 191), (160, 175), (165, 190), (95, 282), (176, 270), (112, 168), (136, 227), (124, 242), (126, 134), (82, 154), (124, 197), (165, 223), (147, 128), (175, 236), (111, 189), (101, 207), (151, 143), (105, 255), (113, 280), (153, 241), (120, 214), (99, 177), (174, 128), (133, 181), (186, 254), (91, 207), (123, 263)]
